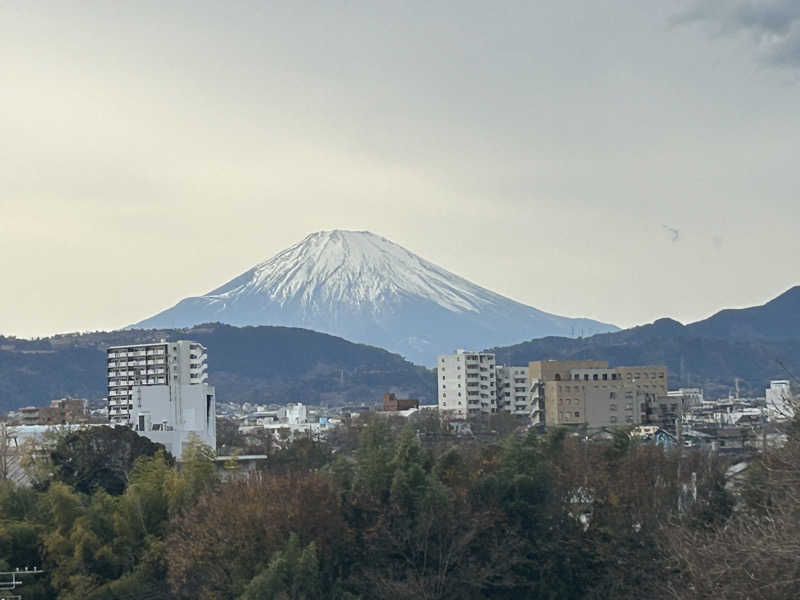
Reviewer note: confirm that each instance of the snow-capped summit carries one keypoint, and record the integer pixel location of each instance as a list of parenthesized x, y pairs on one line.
[(365, 288)]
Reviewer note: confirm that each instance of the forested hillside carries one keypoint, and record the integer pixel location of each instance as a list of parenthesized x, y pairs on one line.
[(753, 344), (256, 364), (692, 359)]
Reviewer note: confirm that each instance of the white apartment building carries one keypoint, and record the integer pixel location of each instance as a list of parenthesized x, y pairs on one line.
[(780, 400), (467, 383), (513, 390), (161, 391)]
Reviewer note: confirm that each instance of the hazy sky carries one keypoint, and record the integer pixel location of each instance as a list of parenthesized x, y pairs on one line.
[(622, 160)]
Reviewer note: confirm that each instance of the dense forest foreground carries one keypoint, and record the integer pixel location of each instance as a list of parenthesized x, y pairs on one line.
[(378, 512)]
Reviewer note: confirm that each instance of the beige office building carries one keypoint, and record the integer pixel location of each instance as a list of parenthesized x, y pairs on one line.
[(592, 393)]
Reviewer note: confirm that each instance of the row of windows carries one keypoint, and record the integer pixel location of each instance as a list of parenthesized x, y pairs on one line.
[(489, 394), (595, 377), (614, 376), (565, 415), (480, 357), (613, 419), (578, 388)]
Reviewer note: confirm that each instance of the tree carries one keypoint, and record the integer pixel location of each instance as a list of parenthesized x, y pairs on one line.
[(228, 436), (302, 454), (292, 573), (100, 457), (198, 474), (221, 543), (753, 554)]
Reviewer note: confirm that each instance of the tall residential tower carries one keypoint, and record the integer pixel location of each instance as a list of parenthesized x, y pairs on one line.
[(161, 391), (467, 383)]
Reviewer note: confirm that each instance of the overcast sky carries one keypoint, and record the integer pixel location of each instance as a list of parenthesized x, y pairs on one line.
[(622, 160)]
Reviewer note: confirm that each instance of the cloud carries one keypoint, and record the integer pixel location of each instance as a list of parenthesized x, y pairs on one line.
[(773, 25)]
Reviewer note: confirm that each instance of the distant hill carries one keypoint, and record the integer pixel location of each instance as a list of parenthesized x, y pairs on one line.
[(754, 344), (778, 319), (365, 288), (281, 364), (256, 364)]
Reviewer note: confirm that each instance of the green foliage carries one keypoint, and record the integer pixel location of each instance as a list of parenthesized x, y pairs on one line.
[(228, 436), (253, 364), (621, 443), (535, 516), (302, 454), (99, 457), (198, 475), (292, 573), (374, 454)]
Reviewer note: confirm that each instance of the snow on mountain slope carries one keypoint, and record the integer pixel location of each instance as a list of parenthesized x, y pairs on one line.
[(366, 288)]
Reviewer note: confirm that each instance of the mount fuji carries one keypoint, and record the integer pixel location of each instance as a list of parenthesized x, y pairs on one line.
[(365, 288)]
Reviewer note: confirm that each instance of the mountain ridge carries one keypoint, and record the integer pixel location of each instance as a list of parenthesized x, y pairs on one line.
[(753, 344), (260, 364), (280, 364), (366, 288)]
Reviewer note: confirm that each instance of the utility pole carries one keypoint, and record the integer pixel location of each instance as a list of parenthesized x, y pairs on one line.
[(6, 450), (679, 437)]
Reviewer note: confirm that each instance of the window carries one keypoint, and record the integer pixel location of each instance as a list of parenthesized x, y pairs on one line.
[(605, 376), (629, 419), (613, 419), (577, 414), (612, 407), (557, 377), (614, 376), (612, 395), (594, 377)]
